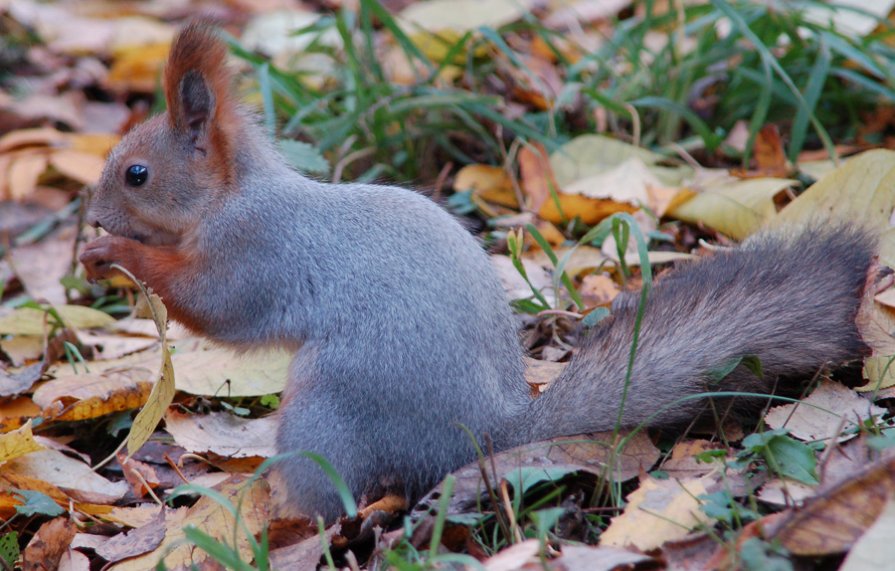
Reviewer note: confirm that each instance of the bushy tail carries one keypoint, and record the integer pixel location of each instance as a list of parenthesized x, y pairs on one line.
[(789, 300)]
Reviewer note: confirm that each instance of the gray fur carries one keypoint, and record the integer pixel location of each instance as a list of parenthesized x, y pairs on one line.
[(790, 300)]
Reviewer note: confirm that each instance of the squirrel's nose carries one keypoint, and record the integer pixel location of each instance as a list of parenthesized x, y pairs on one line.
[(92, 220)]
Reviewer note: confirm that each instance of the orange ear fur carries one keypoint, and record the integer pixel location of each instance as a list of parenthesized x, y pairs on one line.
[(197, 72), (197, 48)]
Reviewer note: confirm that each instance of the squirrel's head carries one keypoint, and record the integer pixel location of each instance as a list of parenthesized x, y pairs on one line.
[(168, 172)]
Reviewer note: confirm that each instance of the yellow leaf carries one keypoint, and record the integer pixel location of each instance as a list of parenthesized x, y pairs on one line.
[(213, 519), (489, 183), (86, 396), (734, 207), (863, 189), (82, 167), (880, 373), (163, 392), (30, 321), (18, 443), (657, 511), (26, 168), (138, 68), (98, 144)]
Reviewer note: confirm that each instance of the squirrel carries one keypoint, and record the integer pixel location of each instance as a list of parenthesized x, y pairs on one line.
[(402, 334)]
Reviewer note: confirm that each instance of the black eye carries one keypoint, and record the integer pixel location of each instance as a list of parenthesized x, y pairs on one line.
[(136, 175)]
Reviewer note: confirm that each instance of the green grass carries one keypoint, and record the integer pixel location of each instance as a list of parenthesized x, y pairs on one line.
[(662, 78)]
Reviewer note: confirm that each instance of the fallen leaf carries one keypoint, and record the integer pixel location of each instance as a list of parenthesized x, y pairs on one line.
[(734, 207), (515, 557), (861, 189), (212, 518), (22, 348), (49, 544), (17, 443), (875, 549), (30, 321), (832, 522), (72, 476), (162, 391), (489, 183), (461, 15), (40, 266), (138, 68), (601, 558), (17, 381), (657, 511), (88, 395), (785, 493), (74, 560), (135, 542), (682, 462), (14, 413), (827, 412), (551, 459), (222, 433), (26, 168)]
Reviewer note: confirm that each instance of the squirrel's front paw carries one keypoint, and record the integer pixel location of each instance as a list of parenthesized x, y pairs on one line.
[(99, 255)]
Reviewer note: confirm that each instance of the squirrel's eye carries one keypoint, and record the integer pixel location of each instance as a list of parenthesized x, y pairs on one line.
[(136, 175)]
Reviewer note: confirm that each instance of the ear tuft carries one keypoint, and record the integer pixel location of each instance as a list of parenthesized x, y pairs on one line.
[(197, 81)]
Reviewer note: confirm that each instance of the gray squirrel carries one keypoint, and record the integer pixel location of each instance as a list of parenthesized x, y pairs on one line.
[(401, 331)]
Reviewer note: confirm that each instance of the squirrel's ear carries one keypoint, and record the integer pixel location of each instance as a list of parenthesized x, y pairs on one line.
[(197, 86)]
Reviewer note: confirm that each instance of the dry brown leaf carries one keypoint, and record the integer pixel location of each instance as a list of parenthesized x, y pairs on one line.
[(74, 560), (222, 433), (588, 453), (542, 373), (305, 554), (536, 175), (829, 410), (49, 544), (26, 168), (683, 463), (212, 518), (107, 347), (72, 476), (141, 476), (17, 381), (590, 558), (133, 516), (517, 556), (22, 349), (658, 511), (135, 542), (598, 289), (41, 265), (832, 522), (16, 412), (42, 137), (875, 549)]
